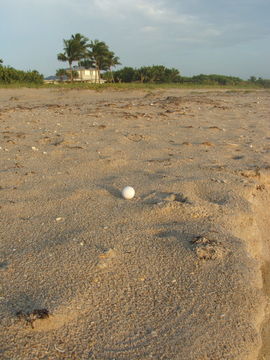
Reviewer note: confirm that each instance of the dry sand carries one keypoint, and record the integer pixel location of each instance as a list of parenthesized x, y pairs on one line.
[(179, 272)]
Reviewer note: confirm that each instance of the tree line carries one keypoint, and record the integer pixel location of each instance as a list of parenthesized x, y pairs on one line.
[(94, 54), (260, 81), (145, 74), (161, 74), (10, 75)]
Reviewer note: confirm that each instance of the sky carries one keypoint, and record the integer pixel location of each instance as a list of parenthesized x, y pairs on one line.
[(229, 37)]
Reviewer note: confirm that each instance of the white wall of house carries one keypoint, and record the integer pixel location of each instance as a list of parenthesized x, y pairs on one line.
[(91, 74)]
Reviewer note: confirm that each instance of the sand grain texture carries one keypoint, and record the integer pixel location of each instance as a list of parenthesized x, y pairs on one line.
[(179, 272)]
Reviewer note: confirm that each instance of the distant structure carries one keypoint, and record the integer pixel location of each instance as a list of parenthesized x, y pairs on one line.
[(87, 75), (83, 75)]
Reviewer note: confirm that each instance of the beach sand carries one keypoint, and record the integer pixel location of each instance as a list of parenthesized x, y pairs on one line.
[(181, 271)]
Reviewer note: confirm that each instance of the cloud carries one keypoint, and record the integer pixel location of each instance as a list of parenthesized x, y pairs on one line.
[(158, 12), (149, 29), (204, 36), (193, 21), (190, 22), (155, 11)]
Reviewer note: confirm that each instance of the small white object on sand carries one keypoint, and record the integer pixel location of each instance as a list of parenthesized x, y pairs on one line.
[(128, 192)]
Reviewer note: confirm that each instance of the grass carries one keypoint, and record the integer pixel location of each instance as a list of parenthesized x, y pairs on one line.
[(129, 86)]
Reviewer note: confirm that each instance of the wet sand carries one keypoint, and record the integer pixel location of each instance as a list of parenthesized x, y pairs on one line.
[(181, 271)]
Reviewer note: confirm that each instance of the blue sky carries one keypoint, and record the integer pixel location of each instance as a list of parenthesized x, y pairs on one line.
[(230, 37)]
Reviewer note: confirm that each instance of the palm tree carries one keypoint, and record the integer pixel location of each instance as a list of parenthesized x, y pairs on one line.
[(98, 54), (69, 54), (112, 61), (61, 73), (75, 49), (87, 63), (82, 40), (74, 74)]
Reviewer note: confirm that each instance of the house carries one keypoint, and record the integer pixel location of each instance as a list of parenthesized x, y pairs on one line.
[(83, 75), (87, 75)]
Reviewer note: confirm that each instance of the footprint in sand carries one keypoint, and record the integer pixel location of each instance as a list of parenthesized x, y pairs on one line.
[(166, 197), (207, 249)]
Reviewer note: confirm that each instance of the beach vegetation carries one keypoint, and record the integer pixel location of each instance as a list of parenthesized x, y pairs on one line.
[(94, 54), (112, 61), (61, 74), (146, 74), (9, 75), (75, 49), (100, 57), (260, 81), (98, 54)]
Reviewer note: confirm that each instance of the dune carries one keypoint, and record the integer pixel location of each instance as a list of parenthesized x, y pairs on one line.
[(179, 272)]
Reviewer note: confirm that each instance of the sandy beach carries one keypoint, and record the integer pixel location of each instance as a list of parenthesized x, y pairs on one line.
[(179, 272)]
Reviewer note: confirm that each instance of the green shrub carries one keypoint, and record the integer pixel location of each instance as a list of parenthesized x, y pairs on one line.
[(9, 75)]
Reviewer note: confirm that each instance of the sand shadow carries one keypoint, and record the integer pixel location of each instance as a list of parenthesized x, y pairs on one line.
[(115, 192), (181, 237), (24, 303)]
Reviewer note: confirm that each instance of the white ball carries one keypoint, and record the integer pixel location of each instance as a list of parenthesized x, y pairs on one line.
[(128, 192)]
